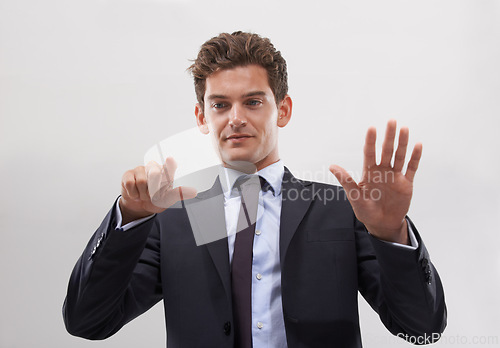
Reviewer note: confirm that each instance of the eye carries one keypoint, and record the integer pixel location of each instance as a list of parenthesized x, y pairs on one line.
[(218, 105), (254, 102)]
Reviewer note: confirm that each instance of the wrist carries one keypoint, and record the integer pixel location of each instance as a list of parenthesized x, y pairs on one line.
[(130, 214), (398, 235)]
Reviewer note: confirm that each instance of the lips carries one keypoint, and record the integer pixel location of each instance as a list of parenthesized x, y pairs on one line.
[(238, 136)]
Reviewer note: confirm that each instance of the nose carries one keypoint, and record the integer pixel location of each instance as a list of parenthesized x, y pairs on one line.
[(237, 117)]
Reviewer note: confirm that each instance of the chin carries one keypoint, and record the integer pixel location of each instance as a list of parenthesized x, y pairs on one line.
[(248, 159), (244, 164), (238, 155)]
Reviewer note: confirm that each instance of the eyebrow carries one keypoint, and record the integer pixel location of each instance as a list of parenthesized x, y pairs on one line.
[(246, 95), (254, 94)]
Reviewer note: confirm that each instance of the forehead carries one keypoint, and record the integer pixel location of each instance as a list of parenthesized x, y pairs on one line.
[(238, 81)]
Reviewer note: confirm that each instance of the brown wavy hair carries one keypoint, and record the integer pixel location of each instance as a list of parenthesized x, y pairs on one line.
[(228, 51)]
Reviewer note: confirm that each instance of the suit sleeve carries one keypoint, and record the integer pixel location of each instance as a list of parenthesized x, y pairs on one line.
[(116, 279), (402, 286)]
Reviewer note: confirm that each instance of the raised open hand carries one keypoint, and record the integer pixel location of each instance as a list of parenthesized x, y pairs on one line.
[(382, 198)]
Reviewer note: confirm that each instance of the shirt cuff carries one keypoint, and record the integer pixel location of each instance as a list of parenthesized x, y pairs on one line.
[(131, 224), (413, 240)]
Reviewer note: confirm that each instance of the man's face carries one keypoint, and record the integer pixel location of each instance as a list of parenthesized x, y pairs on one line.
[(241, 114)]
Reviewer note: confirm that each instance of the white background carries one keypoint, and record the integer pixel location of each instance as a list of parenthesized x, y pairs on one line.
[(86, 87)]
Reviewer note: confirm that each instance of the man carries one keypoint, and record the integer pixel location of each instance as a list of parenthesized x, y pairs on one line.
[(290, 277)]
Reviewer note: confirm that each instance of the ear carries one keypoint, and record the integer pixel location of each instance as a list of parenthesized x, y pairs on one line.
[(201, 121), (284, 111)]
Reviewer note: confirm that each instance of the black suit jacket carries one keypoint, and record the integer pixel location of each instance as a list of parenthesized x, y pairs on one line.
[(326, 256)]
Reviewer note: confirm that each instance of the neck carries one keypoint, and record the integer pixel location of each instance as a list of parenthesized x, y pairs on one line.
[(247, 167)]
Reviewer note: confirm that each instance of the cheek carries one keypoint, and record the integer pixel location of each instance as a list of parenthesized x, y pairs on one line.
[(270, 130), (215, 127)]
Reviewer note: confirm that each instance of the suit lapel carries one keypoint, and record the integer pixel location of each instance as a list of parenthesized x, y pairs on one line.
[(219, 252), (207, 219), (294, 207)]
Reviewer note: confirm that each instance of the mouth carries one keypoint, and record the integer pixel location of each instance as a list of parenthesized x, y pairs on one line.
[(239, 137)]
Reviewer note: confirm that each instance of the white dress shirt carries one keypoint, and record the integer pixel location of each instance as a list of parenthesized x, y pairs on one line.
[(268, 326)]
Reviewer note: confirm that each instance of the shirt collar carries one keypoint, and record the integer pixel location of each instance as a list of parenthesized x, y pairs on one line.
[(273, 173)]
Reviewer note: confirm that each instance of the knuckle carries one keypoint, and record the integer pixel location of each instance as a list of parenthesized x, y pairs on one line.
[(142, 182), (129, 185), (127, 175)]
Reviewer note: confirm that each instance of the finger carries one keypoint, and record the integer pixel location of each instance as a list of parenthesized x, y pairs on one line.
[(169, 168), (154, 174), (369, 150), (129, 190), (414, 161), (388, 145), (399, 158), (141, 183), (344, 178)]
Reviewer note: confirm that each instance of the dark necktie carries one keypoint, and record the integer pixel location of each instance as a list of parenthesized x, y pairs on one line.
[(241, 268)]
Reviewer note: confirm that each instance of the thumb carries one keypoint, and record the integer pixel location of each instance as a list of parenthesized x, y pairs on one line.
[(344, 178), (166, 197), (186, 192)]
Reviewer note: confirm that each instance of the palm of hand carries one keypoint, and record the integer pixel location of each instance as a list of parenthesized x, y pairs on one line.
[(382, 197)]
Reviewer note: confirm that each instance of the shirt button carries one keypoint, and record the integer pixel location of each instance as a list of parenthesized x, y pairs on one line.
[(259, 276), (257, 232), (260, 325)]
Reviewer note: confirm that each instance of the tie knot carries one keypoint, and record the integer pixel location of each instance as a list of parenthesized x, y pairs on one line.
[(251, 183), (265, 185)]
